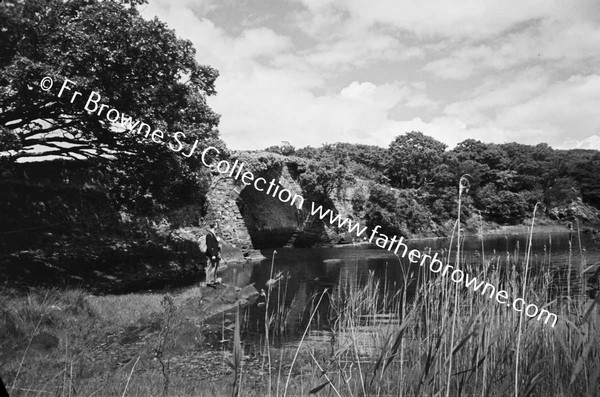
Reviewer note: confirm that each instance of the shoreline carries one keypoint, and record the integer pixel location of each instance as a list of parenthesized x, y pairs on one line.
[(512, 230), (524, 229)]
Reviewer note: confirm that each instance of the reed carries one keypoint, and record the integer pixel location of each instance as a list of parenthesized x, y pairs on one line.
[(386, 340), (410, 348), (267, 321)]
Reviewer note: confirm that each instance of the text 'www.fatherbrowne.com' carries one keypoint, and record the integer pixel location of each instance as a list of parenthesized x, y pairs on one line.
[(397, 245)]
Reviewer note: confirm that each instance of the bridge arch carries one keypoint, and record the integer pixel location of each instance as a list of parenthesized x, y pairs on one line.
[(251, 219)]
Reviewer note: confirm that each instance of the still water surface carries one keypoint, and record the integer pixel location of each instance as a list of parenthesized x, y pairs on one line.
[(307, 272)]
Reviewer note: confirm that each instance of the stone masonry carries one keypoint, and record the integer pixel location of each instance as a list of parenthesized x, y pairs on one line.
[(223, 208)]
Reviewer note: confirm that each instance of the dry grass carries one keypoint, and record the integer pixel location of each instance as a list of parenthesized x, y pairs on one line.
[(384, 346), (383, 343), (443, 341), (128, 309)]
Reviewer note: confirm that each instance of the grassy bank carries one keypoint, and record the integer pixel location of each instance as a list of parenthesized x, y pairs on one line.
[(69, 343), (444, 342)]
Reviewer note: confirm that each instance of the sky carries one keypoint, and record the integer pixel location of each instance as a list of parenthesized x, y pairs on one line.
[(311, 72)]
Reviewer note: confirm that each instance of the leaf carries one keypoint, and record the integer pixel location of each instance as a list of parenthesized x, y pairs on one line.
[(582, 359), (593, 384), (318, 388), (588, 313)]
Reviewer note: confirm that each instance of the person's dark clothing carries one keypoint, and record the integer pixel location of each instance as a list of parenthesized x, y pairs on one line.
[(213, 254), (212, 245)]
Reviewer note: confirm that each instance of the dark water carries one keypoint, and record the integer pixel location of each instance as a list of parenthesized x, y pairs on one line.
[(307, 272)]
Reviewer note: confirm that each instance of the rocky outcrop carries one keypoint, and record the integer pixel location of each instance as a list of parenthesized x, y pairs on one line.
[(577, 209)]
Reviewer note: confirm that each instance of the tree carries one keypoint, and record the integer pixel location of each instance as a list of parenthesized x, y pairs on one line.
[(397, 211), (363, 161), (563, 191), (413, 157), (583, 166), (285, 149), (480, 160), (502, 206), (319, 179), (138, 67), (484, 153)]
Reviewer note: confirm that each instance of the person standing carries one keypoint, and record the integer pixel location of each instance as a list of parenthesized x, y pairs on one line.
[(213, 252)]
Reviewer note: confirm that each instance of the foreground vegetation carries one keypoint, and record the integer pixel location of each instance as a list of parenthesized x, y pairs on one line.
[(385, 340), (427, 336)]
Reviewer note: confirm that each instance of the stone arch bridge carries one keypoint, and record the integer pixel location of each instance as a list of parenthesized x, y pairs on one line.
[(250, 219)]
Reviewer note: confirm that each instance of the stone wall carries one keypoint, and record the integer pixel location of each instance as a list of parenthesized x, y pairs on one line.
[(222, 207), (253, 216)]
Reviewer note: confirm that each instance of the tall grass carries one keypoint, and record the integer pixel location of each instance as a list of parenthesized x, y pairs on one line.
[(375, 336), (385, 339), (524, 296), (385, 345)]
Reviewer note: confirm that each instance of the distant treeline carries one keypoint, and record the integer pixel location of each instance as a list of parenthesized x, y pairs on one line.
[(506, 180)]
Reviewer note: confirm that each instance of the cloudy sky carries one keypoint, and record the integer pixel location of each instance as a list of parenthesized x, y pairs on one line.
[(364, 71)]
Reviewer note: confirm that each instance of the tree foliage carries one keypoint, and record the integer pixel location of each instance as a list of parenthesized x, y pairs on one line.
[(285, 149), (502, 206), (139, 67), (397, 212), (506, 180), (319, 179), (412, 159), (362, 161)]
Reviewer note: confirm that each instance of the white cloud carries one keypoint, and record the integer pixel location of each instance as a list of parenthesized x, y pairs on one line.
[(385, 96), (366, 72), (567, 107), (530, 109), (367, 49), (472, 19), (496, 93), (554, 42), (213, 44), (357, 113), (592, 142)]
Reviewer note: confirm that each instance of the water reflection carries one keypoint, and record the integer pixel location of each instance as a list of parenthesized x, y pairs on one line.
[(308, 272)]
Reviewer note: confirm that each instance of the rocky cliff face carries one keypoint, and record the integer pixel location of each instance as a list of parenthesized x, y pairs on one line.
[(577, 209)]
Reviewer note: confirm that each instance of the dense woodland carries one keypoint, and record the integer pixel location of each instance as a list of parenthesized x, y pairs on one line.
[(96, 196), (506, 180)]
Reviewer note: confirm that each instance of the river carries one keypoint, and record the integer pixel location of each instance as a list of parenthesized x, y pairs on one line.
[(307, 272)]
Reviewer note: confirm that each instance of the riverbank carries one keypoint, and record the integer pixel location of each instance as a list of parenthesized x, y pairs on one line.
[(545, 227), (540, 227), (523, 229), (66, 341), (142, 269)]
